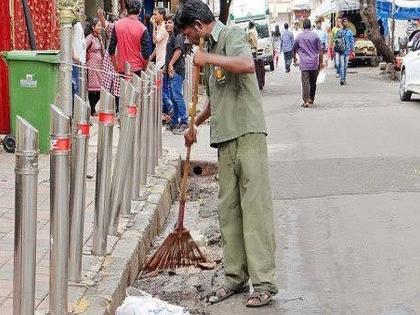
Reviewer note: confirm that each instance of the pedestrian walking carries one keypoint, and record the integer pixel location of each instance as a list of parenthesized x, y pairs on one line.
[(287, 42), (238, 131), (323, 36), (94, 61), (130, 41), (110, 78), (160, 37), (343, 45), (252, 38), (78, 52), (309, 48), (334, 55), (175, 75), (277, 44)]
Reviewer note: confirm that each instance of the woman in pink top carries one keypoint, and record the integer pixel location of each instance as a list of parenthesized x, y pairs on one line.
[(94, 60)]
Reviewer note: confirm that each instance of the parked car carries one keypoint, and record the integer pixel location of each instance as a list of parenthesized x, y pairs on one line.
[(410, 74)]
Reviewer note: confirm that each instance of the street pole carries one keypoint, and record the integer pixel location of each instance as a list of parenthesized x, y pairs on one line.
[(137, 83), (120, 176), (144, 133), (159, 114), (79, 161), (67, 16), (151, 126), (26, 183), (59, 205), (106, 120)]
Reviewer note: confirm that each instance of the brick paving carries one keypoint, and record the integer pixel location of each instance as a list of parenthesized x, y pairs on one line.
[(7, 218), (90, 263)]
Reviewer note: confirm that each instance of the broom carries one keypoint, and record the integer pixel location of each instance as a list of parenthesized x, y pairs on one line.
[(179, 249)]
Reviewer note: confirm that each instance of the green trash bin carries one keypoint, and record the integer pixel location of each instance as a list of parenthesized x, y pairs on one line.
[(33, 85)]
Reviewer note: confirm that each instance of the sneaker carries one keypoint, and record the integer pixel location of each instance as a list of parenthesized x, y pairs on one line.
[(180, 130), (337, 75), (341, 82)]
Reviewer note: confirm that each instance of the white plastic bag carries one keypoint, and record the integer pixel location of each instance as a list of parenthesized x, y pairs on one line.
[(147, 305), (322, 76)]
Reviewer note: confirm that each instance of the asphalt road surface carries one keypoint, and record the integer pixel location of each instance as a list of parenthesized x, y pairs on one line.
[(346, 188)]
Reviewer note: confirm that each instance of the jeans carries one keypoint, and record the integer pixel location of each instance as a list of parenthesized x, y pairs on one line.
[(343, 63), (337, 62), (309, 85), (288, 56), (167, 107), (176, 87), (75, 80)]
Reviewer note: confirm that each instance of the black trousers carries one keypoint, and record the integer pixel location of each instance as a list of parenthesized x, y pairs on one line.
[(94, 97), (309, 85)]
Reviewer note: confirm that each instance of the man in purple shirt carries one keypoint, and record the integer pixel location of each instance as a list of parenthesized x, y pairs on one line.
[(309, 48)]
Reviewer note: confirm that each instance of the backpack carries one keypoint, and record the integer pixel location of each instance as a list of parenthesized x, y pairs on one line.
[(339, 43)]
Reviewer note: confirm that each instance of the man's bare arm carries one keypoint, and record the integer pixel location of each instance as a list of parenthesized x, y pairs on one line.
[(238, 65), (204, 115)]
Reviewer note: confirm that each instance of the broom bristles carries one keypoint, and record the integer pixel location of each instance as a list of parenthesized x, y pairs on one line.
[(178, 250)]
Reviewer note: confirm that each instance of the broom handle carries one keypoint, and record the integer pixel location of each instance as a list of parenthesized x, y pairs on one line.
[(183, 193)]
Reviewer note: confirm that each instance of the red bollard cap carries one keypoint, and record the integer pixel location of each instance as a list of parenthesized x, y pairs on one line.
[(106, 118), (60, 145), (132, 111)]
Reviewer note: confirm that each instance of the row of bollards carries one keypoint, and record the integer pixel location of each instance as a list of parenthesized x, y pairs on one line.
[(117, 184)]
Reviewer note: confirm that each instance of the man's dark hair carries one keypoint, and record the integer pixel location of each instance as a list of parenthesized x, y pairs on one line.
[(251, 25), (170, 17), (133, 6), (307, 24), (286, 26), (161, 11), (191, 11)]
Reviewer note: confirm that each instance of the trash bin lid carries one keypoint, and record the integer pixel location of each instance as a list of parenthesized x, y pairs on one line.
[(48, 56)]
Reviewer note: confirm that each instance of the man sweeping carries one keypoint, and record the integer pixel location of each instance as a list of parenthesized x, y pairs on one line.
[(238, 131)]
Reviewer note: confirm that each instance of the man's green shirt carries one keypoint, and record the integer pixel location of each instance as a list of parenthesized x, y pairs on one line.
[(235, 102)]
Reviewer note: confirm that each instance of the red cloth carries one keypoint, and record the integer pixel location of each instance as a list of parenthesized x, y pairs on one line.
[(129, 34)]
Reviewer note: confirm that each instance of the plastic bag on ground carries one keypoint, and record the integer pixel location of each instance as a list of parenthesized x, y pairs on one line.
[(145, 304), (322, 76)]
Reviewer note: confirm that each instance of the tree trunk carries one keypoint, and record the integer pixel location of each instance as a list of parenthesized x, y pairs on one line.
[(224, 10), (368, 13)]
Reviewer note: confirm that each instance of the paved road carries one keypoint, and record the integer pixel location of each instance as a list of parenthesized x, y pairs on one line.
[(346, 184)]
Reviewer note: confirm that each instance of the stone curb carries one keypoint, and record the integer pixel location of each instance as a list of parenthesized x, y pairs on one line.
[(121, 268)]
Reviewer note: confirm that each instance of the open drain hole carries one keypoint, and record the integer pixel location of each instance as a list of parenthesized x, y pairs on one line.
[(197, 170)]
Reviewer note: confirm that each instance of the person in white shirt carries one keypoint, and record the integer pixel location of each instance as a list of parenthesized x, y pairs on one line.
[(160, 37), (78, 52)]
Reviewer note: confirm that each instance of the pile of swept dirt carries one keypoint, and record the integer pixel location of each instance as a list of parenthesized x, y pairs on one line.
[(189, 287)]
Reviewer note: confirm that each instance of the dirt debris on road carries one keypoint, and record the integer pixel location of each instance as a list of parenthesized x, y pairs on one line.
[(189, 287)]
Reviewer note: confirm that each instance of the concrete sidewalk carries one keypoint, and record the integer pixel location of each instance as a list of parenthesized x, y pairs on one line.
[(105, 279)]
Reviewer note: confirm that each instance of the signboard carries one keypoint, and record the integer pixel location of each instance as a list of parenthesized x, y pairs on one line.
[(245, 9)]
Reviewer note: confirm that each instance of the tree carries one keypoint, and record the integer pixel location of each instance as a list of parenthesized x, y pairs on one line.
[(368, 13), (224, 10)]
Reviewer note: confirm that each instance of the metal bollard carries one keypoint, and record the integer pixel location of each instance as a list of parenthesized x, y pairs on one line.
[(160, 104), (151, 127), (65, 82), (132, 113), (137, 83), (26, 183), (79, 161), (59, 205), (120, 176), (144, 115), (83, 83), (106, 120), (128, 71), (156, 120)]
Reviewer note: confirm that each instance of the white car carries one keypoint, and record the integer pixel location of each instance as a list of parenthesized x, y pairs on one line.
[(410, 73)]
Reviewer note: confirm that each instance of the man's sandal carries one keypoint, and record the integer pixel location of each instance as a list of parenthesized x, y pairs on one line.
[(223, 292), (262, 298)]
